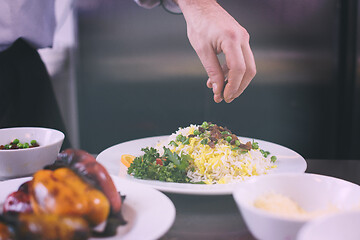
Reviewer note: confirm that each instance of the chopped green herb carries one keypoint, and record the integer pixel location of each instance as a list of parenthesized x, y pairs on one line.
[(184, 140), (174, 167), (173, 143), (204, 141), (187, 141), (180, 138), (201, 182), (273, 159)]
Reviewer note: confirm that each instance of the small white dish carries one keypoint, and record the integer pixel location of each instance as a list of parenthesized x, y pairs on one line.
[(312, 192), (24, 162), (287, 161), (344, 225)]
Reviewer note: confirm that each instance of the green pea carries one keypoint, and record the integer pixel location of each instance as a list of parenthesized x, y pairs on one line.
[(228, 138), (7, 146), (26, 145), (266, 153), (16, 141), (19, 145), (237, 142), (225, 133), (33, 142), (196, 132), (205, 125)]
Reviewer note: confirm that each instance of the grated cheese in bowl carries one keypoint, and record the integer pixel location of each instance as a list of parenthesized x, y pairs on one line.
[(284, 206)]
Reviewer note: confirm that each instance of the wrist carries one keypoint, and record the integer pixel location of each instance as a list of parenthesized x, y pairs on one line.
[(194, 7), (193, 3)]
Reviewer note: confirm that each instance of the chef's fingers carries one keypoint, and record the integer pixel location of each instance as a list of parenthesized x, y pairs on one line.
[(250, 69), (237, 68), (212, 67), (225, 70)]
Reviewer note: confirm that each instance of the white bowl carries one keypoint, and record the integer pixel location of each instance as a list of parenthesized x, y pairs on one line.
[(344, 225), (24, 162), (311, 192)]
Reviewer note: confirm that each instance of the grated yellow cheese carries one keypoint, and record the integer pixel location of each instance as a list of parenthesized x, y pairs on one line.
[(284, 206)]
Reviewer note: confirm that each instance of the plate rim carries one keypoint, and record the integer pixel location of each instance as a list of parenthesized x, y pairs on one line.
[(227, 190)]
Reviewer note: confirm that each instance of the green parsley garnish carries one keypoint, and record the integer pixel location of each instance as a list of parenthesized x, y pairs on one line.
[(173, 169), (204, 141)]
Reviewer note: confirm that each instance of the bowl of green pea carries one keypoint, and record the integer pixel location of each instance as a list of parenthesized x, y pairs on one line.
[(24, 150)]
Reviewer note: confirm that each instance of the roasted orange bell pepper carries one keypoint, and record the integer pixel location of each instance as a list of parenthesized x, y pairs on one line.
[(62, 192)]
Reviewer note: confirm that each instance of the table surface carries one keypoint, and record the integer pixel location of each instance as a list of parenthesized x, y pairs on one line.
[(217, 217)]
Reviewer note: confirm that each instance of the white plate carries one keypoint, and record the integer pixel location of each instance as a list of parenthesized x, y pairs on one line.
[(148, 212), (287, 161)]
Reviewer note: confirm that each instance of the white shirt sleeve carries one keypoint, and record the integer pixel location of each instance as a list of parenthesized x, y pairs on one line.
[(169, 5), (34, 21)]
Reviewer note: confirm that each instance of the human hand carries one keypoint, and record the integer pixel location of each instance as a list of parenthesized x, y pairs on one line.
[(211, 30)]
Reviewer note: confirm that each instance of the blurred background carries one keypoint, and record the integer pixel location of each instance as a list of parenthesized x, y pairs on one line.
[(127, 72)]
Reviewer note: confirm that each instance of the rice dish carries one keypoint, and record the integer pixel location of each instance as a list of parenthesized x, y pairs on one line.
[(228, 161)]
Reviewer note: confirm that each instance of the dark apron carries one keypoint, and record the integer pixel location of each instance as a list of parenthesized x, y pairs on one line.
[(27, 98)]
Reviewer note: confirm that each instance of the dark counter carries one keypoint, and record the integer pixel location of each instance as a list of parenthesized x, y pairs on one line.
[(217, 217)]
